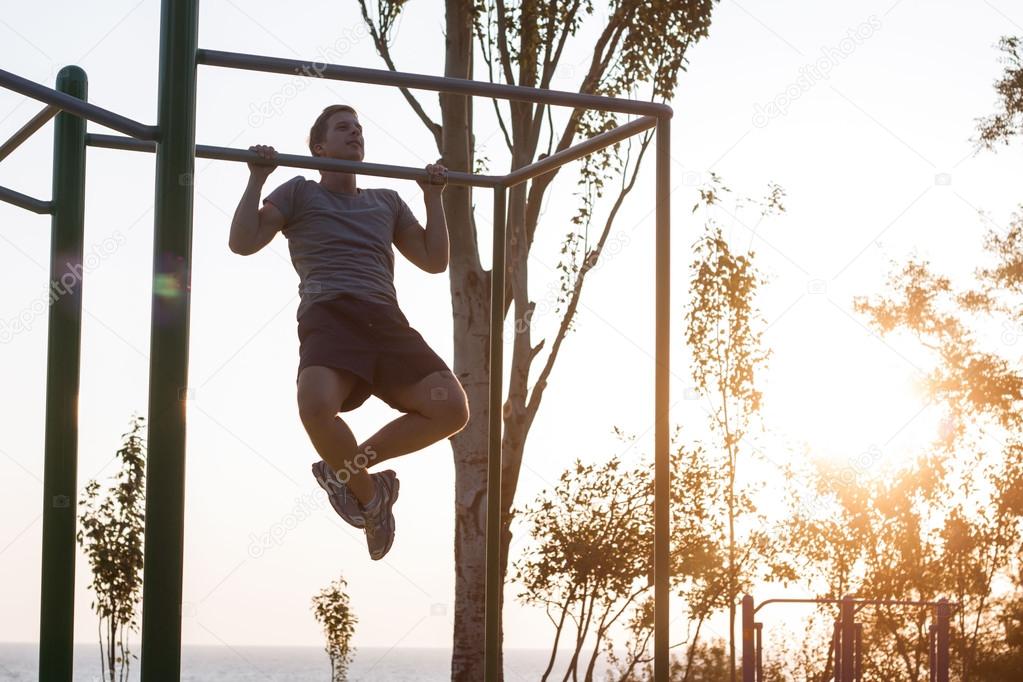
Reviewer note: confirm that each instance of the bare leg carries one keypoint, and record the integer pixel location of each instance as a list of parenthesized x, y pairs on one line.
[(335, 443), (435, 408), (408, 433), (321, 392)]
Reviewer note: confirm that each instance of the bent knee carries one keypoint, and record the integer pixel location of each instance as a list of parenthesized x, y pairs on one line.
[(446, 403), (315, 410), (458, 414), (454, 410)]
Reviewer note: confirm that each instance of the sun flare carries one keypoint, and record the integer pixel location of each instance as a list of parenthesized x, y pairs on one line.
[(841, 404)]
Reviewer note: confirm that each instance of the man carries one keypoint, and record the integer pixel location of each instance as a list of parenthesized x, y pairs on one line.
[(353, 338)]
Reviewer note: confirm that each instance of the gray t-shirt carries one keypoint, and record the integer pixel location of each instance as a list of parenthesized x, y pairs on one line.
[(341, 243)]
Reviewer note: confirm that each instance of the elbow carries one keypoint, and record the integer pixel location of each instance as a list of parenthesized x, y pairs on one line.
[(239, 249), (436, 263), (244, 238), (234, 241)]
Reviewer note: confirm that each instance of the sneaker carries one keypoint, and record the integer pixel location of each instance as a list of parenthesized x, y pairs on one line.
[(379, 517), (341, 498)]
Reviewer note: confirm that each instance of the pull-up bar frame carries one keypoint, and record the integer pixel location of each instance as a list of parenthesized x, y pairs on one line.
[(846, 638), (173, 141)]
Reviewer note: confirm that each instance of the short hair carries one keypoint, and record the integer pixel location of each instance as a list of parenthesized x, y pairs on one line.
[(319, 130)]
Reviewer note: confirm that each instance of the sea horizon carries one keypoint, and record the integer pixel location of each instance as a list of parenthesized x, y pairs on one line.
[(273, 663)]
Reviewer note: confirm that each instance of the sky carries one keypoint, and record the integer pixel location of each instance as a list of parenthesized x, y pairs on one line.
[(862, 112)]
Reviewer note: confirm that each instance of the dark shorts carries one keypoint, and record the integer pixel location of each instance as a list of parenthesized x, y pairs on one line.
[(372, 340)]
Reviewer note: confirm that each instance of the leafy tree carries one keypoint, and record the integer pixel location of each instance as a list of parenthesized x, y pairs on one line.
[(980, 386), (593, 545), (723, 332), (333, 612), (951, 522), (639, 44), (1004, 665), (1007, 122), (705, 662), (922, 532), (976, 475), (111, 533), (592, 554), (699, 565)]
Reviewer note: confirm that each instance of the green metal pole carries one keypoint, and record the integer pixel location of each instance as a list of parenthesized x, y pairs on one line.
[(168, 364), (63, 360), (492, 615), (662, 470)]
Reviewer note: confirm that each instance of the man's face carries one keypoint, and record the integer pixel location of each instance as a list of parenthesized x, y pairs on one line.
[(343, 138)]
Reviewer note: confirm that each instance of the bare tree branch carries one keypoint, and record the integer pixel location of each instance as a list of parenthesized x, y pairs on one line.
[(550, 131), (502, 43), (535, 396), (486, 47), (550, 65), (385, 52), (537, 187)]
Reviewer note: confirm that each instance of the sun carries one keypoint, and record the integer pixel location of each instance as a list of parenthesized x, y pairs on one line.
[(849, 397)]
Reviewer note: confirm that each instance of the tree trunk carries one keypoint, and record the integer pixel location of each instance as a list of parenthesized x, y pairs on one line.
[(470, 292), (470, 301), (470, 296)]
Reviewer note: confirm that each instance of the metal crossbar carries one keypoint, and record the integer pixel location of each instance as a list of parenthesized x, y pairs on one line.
[(11, 196), (857, 601), (416, 81), (546, 165), (74, 105), (297, 161), (25, 132), (24, 201), (597, 142)]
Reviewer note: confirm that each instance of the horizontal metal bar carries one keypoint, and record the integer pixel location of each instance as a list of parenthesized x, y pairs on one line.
[(297, 161), (855, 601), (555, 161), (898, 602), (26, 202), (76, 106), (25, 132), (353, 74)]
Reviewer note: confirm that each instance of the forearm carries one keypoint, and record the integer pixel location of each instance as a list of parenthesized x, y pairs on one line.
[(245, 223), (436, 230)]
